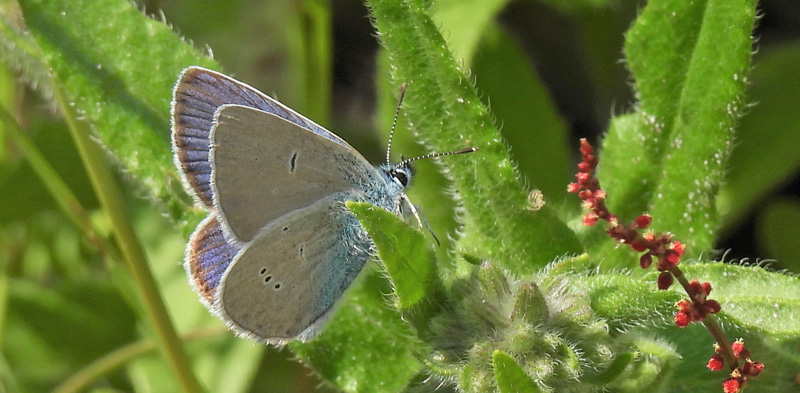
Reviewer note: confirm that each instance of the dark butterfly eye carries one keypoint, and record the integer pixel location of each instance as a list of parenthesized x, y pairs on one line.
[(400, 176)]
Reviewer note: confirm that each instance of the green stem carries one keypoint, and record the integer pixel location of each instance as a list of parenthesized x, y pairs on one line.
[(132, 251), (81, 380), (311, 54), (56, 186)]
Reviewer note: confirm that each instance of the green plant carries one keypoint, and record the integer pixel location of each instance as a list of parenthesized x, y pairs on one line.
[(524, 299)]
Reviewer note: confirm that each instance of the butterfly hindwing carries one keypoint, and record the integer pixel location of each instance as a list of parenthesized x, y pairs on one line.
[(283, 284), (208, 256)]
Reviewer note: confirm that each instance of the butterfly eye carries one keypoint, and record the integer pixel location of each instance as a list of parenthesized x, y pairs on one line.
[(400, 176)]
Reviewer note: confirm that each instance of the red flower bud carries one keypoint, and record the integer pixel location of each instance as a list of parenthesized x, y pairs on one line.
[(752, 369), (665, 280), (715, 363), (672, 257), (697, 288), (679, 247), (645, 261), (643, 221), (739, 350), (712, 306), (586, 148), (600, 195), (682, 319), (730, 385), (590, 219)]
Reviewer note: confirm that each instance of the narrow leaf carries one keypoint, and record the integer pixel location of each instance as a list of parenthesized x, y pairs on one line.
[(446, 114), (690, 60), (510, 377), (710, 103), (117, 68), (404, 254)]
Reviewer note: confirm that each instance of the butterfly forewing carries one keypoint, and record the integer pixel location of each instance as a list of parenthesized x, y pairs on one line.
[(265, 167), (197, 96)]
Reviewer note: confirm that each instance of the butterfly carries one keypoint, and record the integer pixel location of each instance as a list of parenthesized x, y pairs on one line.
[(279, 247)]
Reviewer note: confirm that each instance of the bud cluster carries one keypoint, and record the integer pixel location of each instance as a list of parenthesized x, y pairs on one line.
[(666, 252), (740, 374)]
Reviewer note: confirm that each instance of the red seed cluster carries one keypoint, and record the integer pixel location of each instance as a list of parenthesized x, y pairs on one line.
[(698, 308), (588, 188), (740, 374), (656, 246), (666, 252)]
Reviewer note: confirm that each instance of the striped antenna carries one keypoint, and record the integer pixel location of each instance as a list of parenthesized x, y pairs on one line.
[(433, 155), (394, 123)]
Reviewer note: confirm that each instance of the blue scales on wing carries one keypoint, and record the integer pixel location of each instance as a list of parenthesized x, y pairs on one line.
[(197, 96), (208, 255)]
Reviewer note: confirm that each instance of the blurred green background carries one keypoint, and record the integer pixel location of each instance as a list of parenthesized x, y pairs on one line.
[(61, 307)]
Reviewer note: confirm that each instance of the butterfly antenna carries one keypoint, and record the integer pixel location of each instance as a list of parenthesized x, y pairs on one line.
[(433, 155), (394, 123)]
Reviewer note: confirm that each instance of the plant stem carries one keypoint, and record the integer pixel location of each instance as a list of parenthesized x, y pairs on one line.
[(132, 251), (709, 322), (80, 381), (58, 189)]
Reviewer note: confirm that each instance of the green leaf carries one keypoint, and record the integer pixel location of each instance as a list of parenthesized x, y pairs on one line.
[(445, 111), (690, 60), (765, 154), (626, 300), (627, 171), (117, 68), (509, 376), (404, 254), (711, 101), (753, 298)]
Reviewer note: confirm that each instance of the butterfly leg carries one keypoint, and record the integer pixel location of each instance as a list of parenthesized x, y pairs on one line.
[(420, 218)]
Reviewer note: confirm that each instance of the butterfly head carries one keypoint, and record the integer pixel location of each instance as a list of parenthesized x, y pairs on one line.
[(401, 173)]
